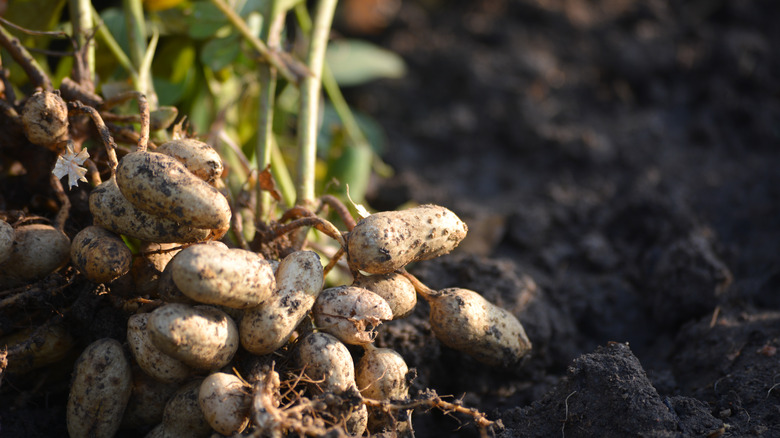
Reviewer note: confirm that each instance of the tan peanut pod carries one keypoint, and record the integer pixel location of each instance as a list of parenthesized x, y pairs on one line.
[(100, 255), (182, 416), (326, 361), (6, 240), (381, 374), (352, 314), (37, 251), (202, 337), (227, 277), (267, 327), (45, 120), (100, 390), (464, 320), (198, 157), (166, 287), (160, 185), (387, 241), (30, 349), (396, 289), (149, 357), (147, 401), (225, 402), (112, 211)]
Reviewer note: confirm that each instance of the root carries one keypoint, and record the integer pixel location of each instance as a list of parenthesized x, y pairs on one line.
[(105, 134)]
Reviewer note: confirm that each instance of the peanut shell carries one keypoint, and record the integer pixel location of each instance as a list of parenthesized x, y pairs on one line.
[(100, 255)]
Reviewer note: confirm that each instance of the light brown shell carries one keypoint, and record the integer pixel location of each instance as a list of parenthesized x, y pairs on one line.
[(352, 314), (381, 374), (149, 357), (182, 416), (387, 241), (396, 289), (100, 255), (198, 157), (45, 120), (112, 211), (225, 403), (37, 251), (464, 320), (160, 185), (100, 389), (202, 337), (327, 361), (267, 327), (227, 277)]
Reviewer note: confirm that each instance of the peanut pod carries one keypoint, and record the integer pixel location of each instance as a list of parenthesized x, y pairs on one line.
[(198, 157), (149, 357), (352, 314), (225, 403), (112, 211), (387, 241), (396, 289), (100, 255), (37, 251), (162, 186), (228, 277), (268, 326), (464, 320)]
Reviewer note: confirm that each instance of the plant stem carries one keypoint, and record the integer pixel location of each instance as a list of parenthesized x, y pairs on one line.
[(282, 174), (310, 96), (140, 54), (273, 57), (81, 20), (271, 32), (25, 60), (115, 49)]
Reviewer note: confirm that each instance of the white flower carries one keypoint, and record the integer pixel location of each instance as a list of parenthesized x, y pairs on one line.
[(69, 164)]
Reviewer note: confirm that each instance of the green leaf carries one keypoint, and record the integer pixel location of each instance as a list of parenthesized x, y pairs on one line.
[(218, 53), (205, 20), (355, 62)]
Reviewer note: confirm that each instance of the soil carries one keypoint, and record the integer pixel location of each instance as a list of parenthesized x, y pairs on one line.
[(617, 164)]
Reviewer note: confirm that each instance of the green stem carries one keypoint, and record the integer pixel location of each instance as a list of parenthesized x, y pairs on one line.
[(281, 174), (273, 57), (81, 20), (136, 30), (310, 97), (271, 32), (115, 49)]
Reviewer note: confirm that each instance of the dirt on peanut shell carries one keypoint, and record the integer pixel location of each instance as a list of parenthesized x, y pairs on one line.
[(617, 164)]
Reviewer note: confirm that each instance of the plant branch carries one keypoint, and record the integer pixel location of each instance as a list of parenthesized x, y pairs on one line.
[(310, 99), (30, 66)]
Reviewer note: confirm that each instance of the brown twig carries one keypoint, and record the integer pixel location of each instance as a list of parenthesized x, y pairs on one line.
[(341, 209), (426, 292), (429, 399), (64, 212), (105, 134), (334, 260), (25, 60), (143, 111), (94, 174), (318, 223)]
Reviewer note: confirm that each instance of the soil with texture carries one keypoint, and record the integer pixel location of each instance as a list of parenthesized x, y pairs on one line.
[(618, 165), (617, 162)]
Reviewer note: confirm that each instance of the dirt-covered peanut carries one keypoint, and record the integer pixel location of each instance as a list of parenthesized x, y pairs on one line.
[(227, 277), (386, 241), (268, 326), (149, 357), (6, 240), (182, 416), (160, 185), (202, 337), (99, 391), (198, 157), (147, 401), (32, 348), (225, 402), (45, 120), (352, 314), (327, 361), (112, 211), (100, 254), (382, 374), (37, 251), (396, 289), (464, 320)]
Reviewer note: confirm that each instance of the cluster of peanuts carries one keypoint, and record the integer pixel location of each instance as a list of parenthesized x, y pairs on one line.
[(212, 300)]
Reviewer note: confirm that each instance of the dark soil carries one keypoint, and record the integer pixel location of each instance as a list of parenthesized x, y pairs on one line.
[(617, 162), (618, 165)]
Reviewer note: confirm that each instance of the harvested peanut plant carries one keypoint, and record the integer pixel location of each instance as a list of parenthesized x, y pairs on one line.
[(227, 331)]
